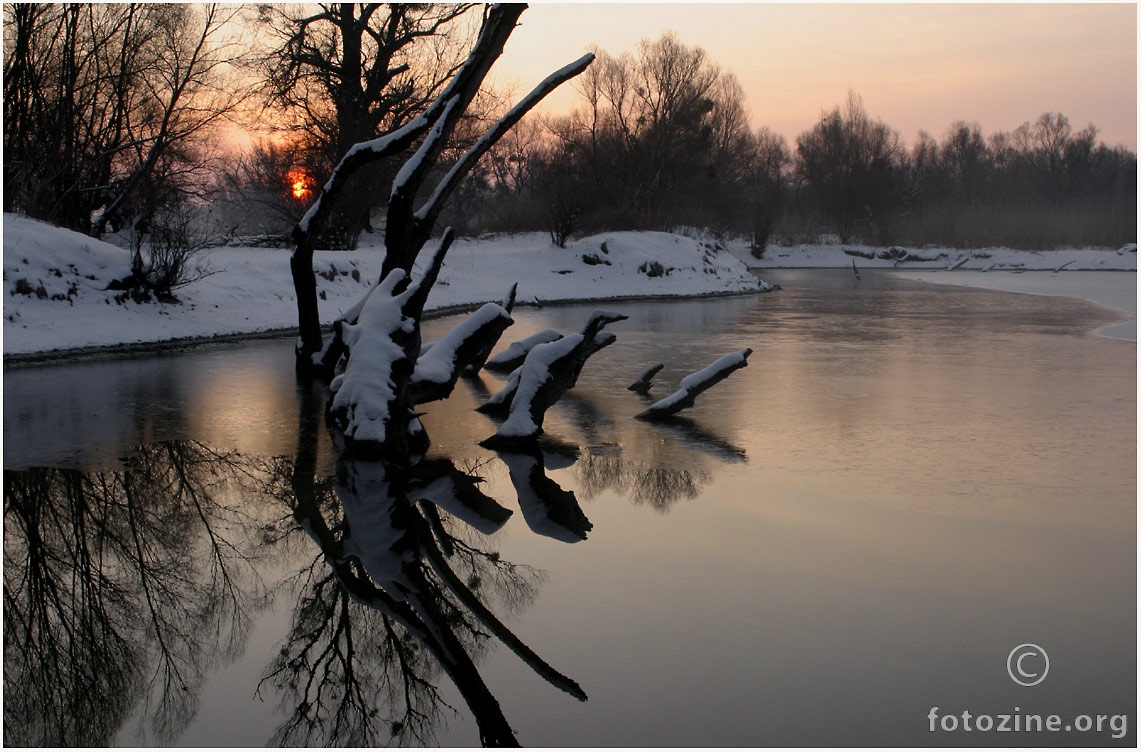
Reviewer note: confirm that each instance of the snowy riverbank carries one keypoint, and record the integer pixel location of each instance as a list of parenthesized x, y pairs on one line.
[(947, 259), (55, 296), (55, 281)]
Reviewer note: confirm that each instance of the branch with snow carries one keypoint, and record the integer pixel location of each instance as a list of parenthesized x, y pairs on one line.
[(513, 356), (547, 372), (696, 383), (438, 369), (477, 362)]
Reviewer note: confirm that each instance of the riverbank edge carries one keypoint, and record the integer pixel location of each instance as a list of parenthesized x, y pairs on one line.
[(96, 353), (1119, 330)]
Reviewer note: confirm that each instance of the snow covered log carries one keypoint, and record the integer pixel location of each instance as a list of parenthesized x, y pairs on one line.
[(513, 356), (438, 369), (696, 383), (500, 403), (545, 376), (644, 382), (370, 406), (548, 371), (507, 304)]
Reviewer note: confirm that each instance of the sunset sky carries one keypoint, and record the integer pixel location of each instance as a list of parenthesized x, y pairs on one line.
[(917, 66)]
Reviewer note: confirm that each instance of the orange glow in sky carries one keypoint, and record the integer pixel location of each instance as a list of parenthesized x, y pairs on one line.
[(299, 183), (916, 66)]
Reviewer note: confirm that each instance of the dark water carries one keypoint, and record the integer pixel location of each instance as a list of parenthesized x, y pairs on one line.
[(905, 484)]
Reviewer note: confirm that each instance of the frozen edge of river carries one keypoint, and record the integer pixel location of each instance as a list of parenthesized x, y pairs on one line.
[(1113, 290)]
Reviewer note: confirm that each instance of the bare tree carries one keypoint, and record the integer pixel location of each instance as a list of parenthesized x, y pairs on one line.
[(352, 71), (847, 161), (765, 179), (107, 107)]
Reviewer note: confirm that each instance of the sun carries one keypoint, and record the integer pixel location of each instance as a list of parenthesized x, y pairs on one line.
[(299, 183)]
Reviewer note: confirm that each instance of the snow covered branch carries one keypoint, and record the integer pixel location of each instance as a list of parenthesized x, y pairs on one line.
[(431, 209), (547, 373), (438, 369), (696, 383), (507, 304), (511, 358)]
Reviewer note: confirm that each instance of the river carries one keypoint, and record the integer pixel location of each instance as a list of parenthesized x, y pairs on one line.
[(906, 483)]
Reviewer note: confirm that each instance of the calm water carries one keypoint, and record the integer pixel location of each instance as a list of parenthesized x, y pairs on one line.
[(906, 483)]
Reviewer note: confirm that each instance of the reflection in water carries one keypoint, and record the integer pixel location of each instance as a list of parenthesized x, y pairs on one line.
[(693, 436), (548, 509), (122, 587), (398, 594), (658, 486)]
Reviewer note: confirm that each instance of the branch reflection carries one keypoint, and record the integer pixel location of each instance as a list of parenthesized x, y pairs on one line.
[(123, 588), (398, 595)]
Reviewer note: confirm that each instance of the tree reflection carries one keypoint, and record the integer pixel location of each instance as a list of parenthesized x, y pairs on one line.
[(693, 436), (397, 596), (125, 588), (547, 507), (122, 587), (658, 486)]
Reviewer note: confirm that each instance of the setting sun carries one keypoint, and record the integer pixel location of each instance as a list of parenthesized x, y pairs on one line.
[(299, 183)]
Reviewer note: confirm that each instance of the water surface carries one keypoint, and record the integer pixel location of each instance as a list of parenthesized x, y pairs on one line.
[(907, 482)]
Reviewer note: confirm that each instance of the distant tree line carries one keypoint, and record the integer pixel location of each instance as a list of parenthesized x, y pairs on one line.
[(111, 117), (661, 139)]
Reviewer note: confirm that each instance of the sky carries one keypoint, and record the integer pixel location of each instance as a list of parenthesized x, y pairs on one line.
[(916, 66)]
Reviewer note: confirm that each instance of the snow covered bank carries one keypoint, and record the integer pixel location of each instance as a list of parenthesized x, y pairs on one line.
[(1117, 291), (55, 281), (898, 257)]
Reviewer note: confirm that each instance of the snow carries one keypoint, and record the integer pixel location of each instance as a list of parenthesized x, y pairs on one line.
[(516, 351), (438, 364), (251, 289), (698, 380), (363, 393), (934, 257)]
